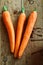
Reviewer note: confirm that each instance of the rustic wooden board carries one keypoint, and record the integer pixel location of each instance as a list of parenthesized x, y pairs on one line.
[(36, 40)]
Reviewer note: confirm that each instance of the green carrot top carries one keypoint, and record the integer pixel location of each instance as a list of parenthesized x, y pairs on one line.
[(35, 9), (22, 10), (22, 7), (5, 8)]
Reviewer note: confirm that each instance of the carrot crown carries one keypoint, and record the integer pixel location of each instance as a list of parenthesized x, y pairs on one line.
[(35, 9), (22, 10), (5, 8)]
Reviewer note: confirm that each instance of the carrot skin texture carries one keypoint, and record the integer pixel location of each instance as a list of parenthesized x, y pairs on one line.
[(9, 26), (31, 21), (19, 31)]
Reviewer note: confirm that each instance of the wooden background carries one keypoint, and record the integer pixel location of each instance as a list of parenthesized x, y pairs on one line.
[(33, 54)]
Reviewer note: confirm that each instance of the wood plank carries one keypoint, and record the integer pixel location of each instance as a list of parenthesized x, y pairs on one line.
[(35, 43)]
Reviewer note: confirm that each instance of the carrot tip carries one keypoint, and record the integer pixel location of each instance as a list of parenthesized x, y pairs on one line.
[(5, 8)]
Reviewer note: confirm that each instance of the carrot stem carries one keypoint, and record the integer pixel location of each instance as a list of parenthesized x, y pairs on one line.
[(22, 7), (35, 9), (5, 8)]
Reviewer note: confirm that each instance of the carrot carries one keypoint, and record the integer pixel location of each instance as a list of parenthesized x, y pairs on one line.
[(19, 31), (28, 31), (9, 26)]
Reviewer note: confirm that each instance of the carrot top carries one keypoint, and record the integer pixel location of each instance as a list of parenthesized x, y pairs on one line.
[(22, 7), (22, 10), (35, 9), (5, 8)]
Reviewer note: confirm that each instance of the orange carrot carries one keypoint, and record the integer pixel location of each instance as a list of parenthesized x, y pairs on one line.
[(19, 31), (10, 29), (28, 31)]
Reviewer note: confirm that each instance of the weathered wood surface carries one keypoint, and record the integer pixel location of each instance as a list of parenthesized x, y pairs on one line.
[(36, 40)]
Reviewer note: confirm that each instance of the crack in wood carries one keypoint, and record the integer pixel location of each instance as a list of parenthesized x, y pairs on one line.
[(40, 35), (36, 39), (38, 28), (39, 51), (37, 34)]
